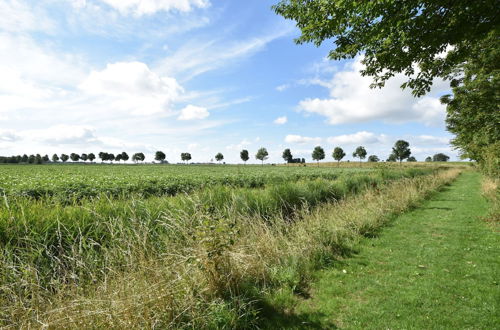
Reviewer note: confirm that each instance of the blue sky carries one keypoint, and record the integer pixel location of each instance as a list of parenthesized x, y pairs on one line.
[(201, 76)]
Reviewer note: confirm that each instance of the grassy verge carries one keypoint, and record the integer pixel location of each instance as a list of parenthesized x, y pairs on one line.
[(137, 263), (436, 267)]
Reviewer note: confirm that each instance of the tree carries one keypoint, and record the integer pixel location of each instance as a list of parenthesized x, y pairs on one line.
[(395, 36), (287, 155), (391, 158), (160, 156), (91, 157), (473, 114), (55, 158), (359, 153), (38, 159), (338, 154), (440, 157), (244, 155), (262, 155), (74, 157), (111, 157), (84, 157), (401, 150), (24, 158), (373, 159), (318, 154), (103, 156), (118, 158), (31, 159), (46, 159), (428, 159), (64, 158), (125, 156), (219, 157), (186, 157), (411, 159), (138, 157)]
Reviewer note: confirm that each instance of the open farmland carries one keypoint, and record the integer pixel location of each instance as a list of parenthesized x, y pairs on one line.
[(79, 181), (58, 249)]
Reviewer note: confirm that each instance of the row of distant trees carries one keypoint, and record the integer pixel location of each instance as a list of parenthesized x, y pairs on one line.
[(401, 151)]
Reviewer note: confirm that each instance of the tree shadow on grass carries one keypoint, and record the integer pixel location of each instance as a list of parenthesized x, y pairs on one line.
[(272, 318)]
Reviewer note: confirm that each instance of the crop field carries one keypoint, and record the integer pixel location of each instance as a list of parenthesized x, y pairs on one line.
[(166, 245), (78, 181)]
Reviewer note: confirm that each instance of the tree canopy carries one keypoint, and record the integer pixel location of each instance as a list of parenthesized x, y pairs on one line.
[(422, 39), (401, 150), (287, 155), (318, 154), (359, 153), (338, 154), (244, 155), (262, 155), (219, 157)]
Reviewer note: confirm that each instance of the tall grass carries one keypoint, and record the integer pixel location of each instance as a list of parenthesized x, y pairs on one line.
[(184, 261)]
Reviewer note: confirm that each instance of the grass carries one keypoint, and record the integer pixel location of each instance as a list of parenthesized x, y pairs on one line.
[(207, 258), (435, 267)]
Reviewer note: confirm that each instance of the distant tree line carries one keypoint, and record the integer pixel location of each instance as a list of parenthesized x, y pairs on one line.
[(401, 151)]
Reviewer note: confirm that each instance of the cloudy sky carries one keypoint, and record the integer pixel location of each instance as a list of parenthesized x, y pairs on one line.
[(199, 76)]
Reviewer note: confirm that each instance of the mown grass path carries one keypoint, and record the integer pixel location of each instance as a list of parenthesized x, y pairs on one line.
[(436, 267)]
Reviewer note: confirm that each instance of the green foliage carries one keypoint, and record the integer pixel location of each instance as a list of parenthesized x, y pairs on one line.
[(338, 154), (401, 150), (411, 159), (219, 157), (262, 155), (55, 158), (160, 156), (359, 153), (428, 159), (440, 157), (395, 35), (287, 155), (473, 109), (373, 158), (244, 155), (318, 154)]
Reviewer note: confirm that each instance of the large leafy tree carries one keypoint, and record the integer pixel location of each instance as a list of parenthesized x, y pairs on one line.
[(473, 109), (74, 157), (186, 156), (124, 156), (262, 155), (396, 36), (338, 154), (440, 157), (244, 155), (64, 158), (373, 158), (360, 153), (91, 157), (160, 156), (401, 150), (84, 157), (55, 158), (219, 157), (287, 155), (318, 154)]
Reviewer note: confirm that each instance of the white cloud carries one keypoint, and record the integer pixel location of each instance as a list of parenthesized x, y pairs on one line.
[(192, 112), (133, 87), (7, 135), (17, 17), (353, 101), (62, 134), (301, 139), (281, 120), (147, 7), (197, 57), (282, 88), (240, 146), (362, 137)]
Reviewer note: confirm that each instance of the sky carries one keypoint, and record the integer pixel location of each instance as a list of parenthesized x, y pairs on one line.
[(198, 76)]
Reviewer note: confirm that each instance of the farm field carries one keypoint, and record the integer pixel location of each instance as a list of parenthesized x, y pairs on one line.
[(78, 181), (199, 255)]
